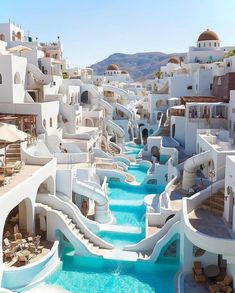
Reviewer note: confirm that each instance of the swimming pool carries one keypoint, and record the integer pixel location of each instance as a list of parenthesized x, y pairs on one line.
[(128, 210), (85, 275), (132, 149)]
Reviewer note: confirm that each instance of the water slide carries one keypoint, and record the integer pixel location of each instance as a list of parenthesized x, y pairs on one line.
[(117, 129), (190, 168), (159, 127), (102, 211), (150, 248), (164, 89), (123, 109), (95, 93), (116, 90), (38, 75)]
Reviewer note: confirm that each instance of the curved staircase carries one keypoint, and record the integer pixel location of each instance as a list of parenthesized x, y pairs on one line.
[(215, 203)]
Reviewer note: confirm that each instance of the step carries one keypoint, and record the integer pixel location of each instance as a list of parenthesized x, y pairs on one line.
[(213, 210), (13, 155), (142, 255), (212, 203), (72, 226), (80, 235)]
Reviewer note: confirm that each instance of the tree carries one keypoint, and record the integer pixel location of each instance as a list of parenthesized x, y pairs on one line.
[(230, 54), (158, 74)]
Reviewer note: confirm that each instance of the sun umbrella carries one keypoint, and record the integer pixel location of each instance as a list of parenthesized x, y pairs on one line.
[(19, 48), (9, 133)]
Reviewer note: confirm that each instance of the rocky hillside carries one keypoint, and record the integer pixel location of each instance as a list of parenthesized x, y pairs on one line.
[(140, 65)]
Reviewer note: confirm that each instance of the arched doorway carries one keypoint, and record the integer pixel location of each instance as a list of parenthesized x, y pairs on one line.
[(19, 220), (85, 97), (89, 122), (2, 37)]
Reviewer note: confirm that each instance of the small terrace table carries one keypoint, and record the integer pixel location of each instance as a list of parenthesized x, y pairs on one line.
[(211, 271)]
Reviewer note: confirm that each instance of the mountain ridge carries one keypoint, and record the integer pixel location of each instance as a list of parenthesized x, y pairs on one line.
[(141, 66)]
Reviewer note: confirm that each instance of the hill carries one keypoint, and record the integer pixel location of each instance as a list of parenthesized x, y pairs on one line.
[(141, 66)]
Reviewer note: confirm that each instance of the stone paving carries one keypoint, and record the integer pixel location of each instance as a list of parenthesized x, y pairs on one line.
[(210, 224)]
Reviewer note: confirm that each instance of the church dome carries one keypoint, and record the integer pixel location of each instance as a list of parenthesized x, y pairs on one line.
[(112, 67), (208, 35), (174, 60)]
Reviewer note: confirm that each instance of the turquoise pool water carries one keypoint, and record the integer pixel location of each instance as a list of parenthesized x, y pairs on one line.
[(86, 275), (127, 205), (164, 159), (128, 210), (138, 171), (133, 149)]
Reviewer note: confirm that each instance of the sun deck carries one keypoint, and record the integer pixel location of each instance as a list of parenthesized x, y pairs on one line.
[(210, 224), (13, 181)]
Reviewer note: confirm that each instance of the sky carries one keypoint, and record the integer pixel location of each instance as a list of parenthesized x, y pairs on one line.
[(91, 30)]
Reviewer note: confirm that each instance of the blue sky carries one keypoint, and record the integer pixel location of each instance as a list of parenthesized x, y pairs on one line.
[(91, 30)]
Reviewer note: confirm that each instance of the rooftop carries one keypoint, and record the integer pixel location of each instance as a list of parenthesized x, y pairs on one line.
[(18, 178)]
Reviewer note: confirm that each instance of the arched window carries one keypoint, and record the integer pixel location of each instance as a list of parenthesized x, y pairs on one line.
[(51, 122), (0, 78), (17, 79), (13, 36), (18, 35), (2, 37), (44, 123)]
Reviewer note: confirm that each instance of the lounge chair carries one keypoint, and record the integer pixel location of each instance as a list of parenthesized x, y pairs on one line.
[(198, 274), (224, 286)]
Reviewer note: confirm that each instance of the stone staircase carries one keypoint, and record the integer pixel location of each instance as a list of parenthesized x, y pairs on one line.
[(143, 255), (215, 203), (13, 153), (96, 249)]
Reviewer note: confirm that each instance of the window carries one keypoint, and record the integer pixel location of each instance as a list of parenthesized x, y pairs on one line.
[(51, 123), (204, 44), (210, 44), (215, 44), (2, 37), (199, 45), (189, 87), (219, 82), (17, 79), (0, 78), (233, 126), (211, 86), (44, 123)]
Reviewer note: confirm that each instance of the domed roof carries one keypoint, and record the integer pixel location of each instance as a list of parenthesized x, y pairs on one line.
[(112, 67), (174, 60), (124, 72), (208, 35)]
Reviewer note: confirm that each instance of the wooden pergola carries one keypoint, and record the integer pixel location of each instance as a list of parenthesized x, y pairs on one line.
[(24, 122)]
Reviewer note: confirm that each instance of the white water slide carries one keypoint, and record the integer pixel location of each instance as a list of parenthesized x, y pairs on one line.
[(102, 211), (38, 75), (152, 246), (118, 130), (190, 168), (123, 109), (120, 92), (95, 93), (164, 89)]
